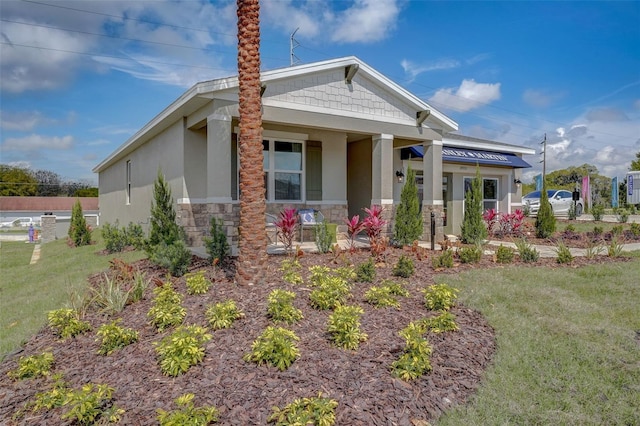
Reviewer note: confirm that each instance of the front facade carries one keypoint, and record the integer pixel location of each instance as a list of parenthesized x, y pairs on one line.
[(335, 135)]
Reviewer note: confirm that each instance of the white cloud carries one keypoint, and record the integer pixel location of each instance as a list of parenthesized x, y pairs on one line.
[(36, 142), (540, 98), (468, 96), (366, 21), (606, 114), (413, 70), (26, 121)]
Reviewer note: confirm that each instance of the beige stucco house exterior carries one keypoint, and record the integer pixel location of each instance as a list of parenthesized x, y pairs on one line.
[(336, 136)]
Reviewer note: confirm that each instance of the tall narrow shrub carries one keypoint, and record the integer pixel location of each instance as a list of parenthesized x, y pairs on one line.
[(217, 245), (408, 224), (163, 217), (473, 229), (79, 234), (545, 221)]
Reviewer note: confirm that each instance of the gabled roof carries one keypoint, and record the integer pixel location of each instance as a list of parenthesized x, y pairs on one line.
[(201, 93), (463, 141)]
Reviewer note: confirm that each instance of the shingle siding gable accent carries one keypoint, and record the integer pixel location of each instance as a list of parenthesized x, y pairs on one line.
[(329, 90)]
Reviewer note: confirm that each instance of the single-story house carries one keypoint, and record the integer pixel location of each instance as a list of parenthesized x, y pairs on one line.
[(338, 136)]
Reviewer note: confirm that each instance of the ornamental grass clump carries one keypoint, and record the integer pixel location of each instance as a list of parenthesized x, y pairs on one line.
[(183, 348), (111, 295), (563, 253), (33, 366), (526, 251), (280, 307), (188, 413), (167, 310), (113, 337), (276, 347), (223, 314), (440, 297), (344, 327), (304, 411)]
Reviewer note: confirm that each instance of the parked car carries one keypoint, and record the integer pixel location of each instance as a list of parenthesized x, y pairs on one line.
[(21, 222), (561, 201)]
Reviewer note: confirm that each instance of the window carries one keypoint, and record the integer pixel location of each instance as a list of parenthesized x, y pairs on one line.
[(489, 192), (128, 188), (283, 171)]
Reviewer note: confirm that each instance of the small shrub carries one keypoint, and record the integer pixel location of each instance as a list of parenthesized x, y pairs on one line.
[(223, 314), (33, 366), (615, 248), (110, 296), (287, 225), (366, 271), (597, 211), (444, 322), (635, 229), (275, 347), (504, 254), (323, 237), (440, 297), (115, 239), (135, 236), (344, 327), (280, 307), (346, 273), (79, 231), (473, 229), (52, 398), (166, 310), (617, 231), (329, 293), (318, 274), (597, 231), (415, 360), (197, 283), (385, 295), (404, 268), (526, 251), (408, 220), (571, 213), (570, 228), (563, 252), (217, 245), (65, 323), (395, 288), (443, 260), (545, 220), (90, 404), (470, 254), (188, 413), (175, 257), (181, 349), (112, 337), (354, 226), (304, 411), (291, 271)]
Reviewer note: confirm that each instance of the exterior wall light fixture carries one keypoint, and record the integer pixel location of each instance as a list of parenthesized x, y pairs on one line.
[(399, 176), (518, 182)]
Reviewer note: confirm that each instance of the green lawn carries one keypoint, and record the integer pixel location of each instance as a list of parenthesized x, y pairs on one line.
[(28, 292), (568, 345)]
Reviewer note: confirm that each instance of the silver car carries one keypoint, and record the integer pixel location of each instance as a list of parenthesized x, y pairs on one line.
[(561, 201)]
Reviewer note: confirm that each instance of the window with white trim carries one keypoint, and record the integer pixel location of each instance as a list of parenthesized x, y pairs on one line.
[(128, 187), (283, 162), (489, 192)]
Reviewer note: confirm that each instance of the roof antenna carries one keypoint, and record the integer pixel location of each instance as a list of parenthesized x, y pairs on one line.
[(293, 43)]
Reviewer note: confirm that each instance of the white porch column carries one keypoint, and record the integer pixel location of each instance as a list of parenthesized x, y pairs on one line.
[(219, 158), (432, 203), (382, 170)]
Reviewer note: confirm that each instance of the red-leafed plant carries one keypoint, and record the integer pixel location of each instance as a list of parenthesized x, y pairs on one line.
[(287, 225), (373, 225), (353, 227), (490, 218), (511, 224)]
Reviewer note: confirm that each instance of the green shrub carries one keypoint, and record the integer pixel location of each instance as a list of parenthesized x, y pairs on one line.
[(275, 347), (443, 260), (444, 322), (181, 349), (188, 413), (408, 220), (115, 239), (280, 307), (304, 411), (329, 293), (166, 310), (527, 252), (571, 213), (385, 295), (440, 297), (415, 360), (615, 248), (597, 231), (217, 245), (223, 314), (323, 238), (563, 252), (135, 236), (597, 211), (109, 295), (346, 273), (473, 229), (33, 366), (175, 257), (344, 327), (52, 398), (366, 271), (79, 231), (545, 221), (617, 230), (291, 271), (65, 323), (90, 404), (197, 283), (404, 268), (570, 228), (470, 254), (504, 254), (635, 229), (112, 337), (318, 273), (622, 215)]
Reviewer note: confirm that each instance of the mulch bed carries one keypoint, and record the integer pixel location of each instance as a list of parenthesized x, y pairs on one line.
[(361, 382)]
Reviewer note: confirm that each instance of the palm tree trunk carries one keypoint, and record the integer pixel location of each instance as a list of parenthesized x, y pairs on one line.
[(252, 243)]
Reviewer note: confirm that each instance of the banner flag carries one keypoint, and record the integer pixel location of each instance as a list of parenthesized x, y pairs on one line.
[(586, 192), (538, 180), (614, 192)]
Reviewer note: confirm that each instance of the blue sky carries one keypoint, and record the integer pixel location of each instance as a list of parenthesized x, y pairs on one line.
[(78, 78)]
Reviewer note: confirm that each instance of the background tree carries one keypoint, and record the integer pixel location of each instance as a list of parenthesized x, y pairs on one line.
[(473, 230), (408, 223), (635, 164), (49, 183), (545, 221), (79, 233), (17, 181), (252, 244)]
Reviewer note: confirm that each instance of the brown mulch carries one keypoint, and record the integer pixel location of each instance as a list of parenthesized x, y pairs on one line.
[(361, 381)]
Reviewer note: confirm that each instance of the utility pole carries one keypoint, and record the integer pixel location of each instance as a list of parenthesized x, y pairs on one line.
[(544, 159), (293, 43)]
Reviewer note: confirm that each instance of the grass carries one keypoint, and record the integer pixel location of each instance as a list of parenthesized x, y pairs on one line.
[(28, 292), (568, 349), (587, 226)]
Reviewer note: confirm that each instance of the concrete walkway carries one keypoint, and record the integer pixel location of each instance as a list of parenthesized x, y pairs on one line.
[(35, 256)]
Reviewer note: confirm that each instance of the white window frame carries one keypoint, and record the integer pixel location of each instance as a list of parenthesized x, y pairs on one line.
[(128, 182), (496, 200), (271, 170)]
